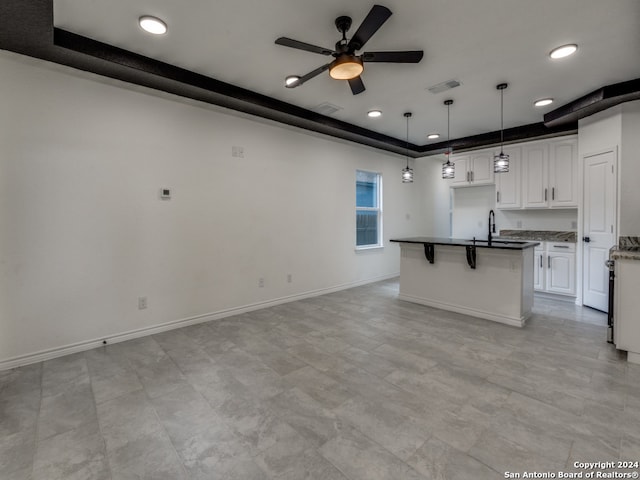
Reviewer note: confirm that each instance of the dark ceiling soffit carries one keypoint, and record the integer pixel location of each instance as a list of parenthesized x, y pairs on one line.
[(26, 27), (133, 68), (511, 135), (594, 102)]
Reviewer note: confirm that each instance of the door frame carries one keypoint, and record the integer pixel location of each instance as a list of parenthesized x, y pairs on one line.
[(580, 233)]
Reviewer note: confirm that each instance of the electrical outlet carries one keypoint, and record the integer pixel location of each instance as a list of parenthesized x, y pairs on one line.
[(289, 278), (574, 225), (519, 223), (261, 282), (142, 303)]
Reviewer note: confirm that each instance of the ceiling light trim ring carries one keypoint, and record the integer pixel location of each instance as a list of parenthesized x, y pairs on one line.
[(563, 51), (153, 25)]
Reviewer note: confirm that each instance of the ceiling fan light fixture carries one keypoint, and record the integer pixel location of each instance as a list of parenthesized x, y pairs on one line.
[(152, 25), (563, 51), (543, 102), (433, 136), (292, 81), (346, 67), (374, 113)]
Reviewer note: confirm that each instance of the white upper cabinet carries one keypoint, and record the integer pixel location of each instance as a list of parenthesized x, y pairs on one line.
[(473, 169), (535, 162), (462, 170), (563, 174), (542, 174), (508, 191), (550, 174), (481, 168)]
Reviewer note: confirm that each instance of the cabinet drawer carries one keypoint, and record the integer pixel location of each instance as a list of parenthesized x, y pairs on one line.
[(567, 247)]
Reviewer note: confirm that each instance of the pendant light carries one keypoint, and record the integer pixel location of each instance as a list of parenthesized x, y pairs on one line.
[(448, 168), (407, 172), (501, 161)]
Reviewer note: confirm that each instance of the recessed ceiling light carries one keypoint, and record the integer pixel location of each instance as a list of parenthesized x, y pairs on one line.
[(543, 102), (291, 81), (374, 113), (152, 25), (563, 51), (433, 136)]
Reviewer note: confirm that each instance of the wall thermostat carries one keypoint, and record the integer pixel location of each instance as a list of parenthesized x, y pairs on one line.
[(165, 193)]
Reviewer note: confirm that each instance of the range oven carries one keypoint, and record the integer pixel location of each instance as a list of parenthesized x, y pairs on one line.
[(611, 264)]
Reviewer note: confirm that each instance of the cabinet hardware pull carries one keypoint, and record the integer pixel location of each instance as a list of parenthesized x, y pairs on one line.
[(472, 175), (545, 194), (498, 197), (549, 261), (553, 193), (468, 177), (561, 246), (540, 261)]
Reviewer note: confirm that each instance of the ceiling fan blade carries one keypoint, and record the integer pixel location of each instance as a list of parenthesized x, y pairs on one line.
[(357, 85), (370, 25), (289, 42), (313, 73), (411, 56)]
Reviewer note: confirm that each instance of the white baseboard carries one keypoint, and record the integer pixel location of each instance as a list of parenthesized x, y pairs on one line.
[(48, 354), (514, 322)]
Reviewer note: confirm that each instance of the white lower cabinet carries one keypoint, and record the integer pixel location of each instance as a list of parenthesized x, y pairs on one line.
[(626, 327), (538, 268), (555, 268)]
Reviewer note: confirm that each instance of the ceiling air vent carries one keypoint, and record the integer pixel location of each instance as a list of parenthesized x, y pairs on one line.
[(448, 85), (326, 108)]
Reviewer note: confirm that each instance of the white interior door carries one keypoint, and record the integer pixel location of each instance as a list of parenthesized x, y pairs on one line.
[(599, 226)]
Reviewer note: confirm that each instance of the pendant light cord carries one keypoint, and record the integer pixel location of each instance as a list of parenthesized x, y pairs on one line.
[(501, 120), (407, 115), (448, 131)]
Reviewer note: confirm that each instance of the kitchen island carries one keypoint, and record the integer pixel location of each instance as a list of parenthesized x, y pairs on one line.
[(490, 280)]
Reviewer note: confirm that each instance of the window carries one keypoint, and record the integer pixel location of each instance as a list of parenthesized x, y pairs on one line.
[(368, 209)]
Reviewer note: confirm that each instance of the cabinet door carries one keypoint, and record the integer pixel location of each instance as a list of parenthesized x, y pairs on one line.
[(627, 327), (481, 168), (538, 270), (535, 165), (561, 275), (462, 170), (508, 183), (563, 174)]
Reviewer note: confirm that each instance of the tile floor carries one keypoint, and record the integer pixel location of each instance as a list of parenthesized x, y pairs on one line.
[(352, 385)]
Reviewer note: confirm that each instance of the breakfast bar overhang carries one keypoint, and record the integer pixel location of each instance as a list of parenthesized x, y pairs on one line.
[(491, 280)]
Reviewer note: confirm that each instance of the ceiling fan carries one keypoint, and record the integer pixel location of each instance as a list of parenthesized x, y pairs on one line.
[(347, 65)]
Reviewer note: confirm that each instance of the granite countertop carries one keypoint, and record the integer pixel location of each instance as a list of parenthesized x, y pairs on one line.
[(540, 235), (628, 248), (458, 242)]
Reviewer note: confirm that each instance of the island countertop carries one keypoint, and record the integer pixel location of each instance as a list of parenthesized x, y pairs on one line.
[(502, 244)]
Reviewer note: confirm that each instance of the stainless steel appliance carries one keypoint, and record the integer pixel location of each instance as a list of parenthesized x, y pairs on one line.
[(611, 264)]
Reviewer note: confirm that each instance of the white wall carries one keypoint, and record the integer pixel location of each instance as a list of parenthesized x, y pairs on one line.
[(471, 206), (83, 233), (630, 170), (543, 219), (435, 197), (618, 127)]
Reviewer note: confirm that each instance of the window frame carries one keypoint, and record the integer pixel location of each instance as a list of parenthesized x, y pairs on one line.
[(380, 240)]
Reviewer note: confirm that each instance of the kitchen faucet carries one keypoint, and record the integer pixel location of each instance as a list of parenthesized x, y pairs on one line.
[(492, 227)]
